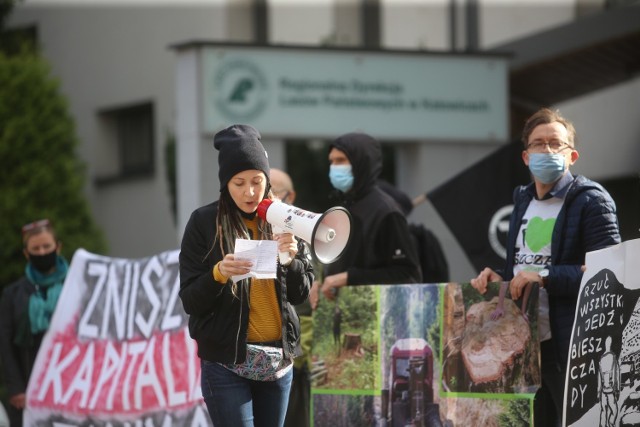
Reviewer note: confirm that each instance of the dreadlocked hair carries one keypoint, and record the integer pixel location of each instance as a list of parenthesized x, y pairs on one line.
[(230, 226)]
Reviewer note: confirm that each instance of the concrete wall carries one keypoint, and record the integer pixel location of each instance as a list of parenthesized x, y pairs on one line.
[(112, 56)]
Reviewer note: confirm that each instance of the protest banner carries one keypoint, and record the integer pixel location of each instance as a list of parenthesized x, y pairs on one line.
[(426, 355), (118, 352), (603, 376)]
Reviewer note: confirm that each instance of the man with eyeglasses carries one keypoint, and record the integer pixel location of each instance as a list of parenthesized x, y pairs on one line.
[(282, 186), (556, 220), (298, 411)]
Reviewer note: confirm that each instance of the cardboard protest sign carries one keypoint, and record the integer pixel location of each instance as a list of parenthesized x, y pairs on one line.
[(603, 376)]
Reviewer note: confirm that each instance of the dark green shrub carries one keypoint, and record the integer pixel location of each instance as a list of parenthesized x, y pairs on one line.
[(40, 174)]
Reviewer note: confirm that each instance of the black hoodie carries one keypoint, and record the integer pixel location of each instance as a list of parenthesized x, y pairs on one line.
[(380, 249)]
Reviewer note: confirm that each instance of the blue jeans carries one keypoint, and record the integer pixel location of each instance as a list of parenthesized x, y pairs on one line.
[(233, 401)]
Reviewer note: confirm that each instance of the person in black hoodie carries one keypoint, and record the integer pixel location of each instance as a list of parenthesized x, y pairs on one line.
[(380, 249), (247, 331)]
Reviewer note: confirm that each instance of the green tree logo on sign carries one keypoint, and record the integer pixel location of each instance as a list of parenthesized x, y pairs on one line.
[(240, 90)]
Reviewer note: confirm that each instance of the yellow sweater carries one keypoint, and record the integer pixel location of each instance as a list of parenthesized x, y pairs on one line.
[(265, 321)]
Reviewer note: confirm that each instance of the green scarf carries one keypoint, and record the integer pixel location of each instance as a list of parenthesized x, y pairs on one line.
[(43, 302)]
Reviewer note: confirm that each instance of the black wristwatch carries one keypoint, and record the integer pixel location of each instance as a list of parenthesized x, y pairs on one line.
[(544, 275)]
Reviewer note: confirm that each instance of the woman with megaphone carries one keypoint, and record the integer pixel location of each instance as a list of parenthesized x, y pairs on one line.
[(247, 331)]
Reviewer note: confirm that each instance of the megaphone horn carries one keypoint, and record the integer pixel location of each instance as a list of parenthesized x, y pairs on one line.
[(327, 233)]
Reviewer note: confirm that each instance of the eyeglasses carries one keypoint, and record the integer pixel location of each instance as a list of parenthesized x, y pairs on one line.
[(554, 146), (35, 225), (279, 194)]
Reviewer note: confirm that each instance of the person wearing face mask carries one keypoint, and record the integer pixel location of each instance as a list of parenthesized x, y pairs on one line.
[(556, 220), (26, 308), (380, 249), (247, 331)]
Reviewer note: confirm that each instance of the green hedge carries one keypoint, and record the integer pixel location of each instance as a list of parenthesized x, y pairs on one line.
[(40, 174)]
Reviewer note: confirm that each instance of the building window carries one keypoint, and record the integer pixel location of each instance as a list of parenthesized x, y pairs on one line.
[(127, 148)]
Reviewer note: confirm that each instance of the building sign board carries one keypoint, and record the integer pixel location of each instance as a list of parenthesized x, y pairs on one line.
[(325, 92)]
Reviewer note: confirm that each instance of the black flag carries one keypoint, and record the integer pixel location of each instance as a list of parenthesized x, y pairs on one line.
[(477, 203)]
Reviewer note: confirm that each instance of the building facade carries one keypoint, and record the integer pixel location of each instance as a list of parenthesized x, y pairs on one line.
[(119, 69)]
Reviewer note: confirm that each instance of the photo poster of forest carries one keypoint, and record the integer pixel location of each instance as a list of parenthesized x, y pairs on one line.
[(345, 372), (388, 355)]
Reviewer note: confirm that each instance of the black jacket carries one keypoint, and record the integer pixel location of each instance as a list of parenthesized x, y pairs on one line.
[(218, 320), (17, 360), (380, 249), (586, 222)]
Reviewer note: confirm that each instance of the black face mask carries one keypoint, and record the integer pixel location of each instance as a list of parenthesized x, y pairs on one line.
[(44, 263)]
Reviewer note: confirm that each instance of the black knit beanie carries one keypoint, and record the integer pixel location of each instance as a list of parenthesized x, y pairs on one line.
[(240, 150)]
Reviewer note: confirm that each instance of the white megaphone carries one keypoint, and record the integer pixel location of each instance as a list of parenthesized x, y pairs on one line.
[(328, 233)]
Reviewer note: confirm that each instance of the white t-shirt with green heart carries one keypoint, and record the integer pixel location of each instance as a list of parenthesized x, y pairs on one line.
[(533, 250)]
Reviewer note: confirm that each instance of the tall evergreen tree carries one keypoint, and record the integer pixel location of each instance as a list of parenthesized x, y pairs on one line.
[(6, 6), (40, 174)]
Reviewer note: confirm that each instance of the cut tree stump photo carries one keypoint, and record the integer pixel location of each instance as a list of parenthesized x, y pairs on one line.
[(352, 342)]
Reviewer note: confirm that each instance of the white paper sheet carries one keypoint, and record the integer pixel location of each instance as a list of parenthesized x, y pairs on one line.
[(263, 254)]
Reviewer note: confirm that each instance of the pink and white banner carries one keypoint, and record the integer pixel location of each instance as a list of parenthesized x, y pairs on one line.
[(118, 352)]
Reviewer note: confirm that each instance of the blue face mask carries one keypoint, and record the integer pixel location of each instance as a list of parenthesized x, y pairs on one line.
[(341, 177), (547, 167)]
